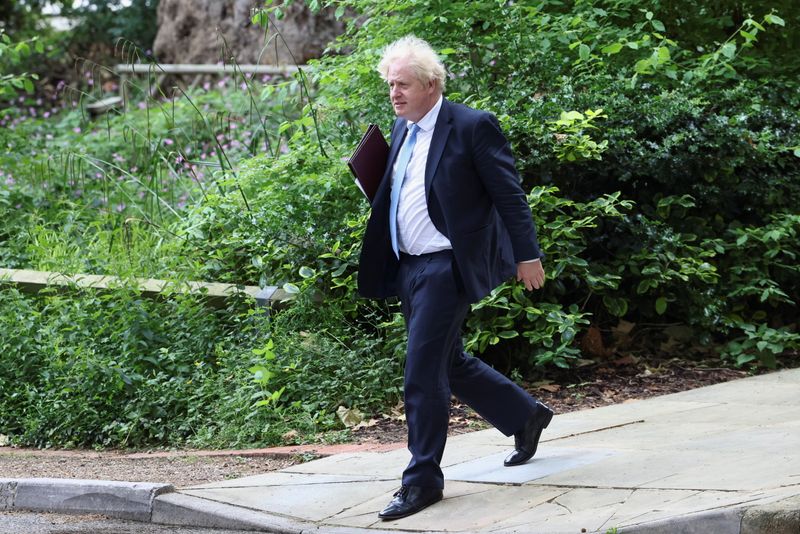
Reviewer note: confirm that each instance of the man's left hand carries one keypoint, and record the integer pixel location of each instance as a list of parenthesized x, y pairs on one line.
[(532, 274)]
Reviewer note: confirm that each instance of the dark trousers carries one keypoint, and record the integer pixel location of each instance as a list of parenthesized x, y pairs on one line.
[(434, 308)]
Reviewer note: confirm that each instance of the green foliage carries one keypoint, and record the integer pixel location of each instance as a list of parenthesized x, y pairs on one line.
[(761, 344), (114, 369), (11, 55), (692, 133), (572, 143), (548, 326), (104, 22)]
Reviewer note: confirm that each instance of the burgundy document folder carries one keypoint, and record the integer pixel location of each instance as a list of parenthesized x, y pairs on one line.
[(368, 162)]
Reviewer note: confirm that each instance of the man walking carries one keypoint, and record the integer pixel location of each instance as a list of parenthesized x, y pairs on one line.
[(449, 223)]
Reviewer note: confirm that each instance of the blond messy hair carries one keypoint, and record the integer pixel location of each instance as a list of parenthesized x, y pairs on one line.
[(422, 60)]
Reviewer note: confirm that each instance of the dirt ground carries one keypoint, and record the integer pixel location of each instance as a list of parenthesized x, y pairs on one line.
[(621, 380)]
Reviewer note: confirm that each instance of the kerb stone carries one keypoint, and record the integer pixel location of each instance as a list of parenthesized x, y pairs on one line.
[(124, 500)]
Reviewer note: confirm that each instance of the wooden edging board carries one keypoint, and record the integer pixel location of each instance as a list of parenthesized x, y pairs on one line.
[(215, 294)]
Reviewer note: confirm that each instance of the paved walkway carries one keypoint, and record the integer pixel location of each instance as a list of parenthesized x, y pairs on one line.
[(719, 459)]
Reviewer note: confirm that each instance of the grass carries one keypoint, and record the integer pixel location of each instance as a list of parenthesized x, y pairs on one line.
[(110, 195)]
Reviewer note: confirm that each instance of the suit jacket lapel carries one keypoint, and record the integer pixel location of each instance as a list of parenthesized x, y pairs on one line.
[(440, 133)]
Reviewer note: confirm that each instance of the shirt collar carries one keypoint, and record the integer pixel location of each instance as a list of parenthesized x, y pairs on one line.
[(429, 120)]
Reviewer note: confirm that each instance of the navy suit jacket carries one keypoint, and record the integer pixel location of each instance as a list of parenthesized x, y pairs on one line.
[(474, 198)]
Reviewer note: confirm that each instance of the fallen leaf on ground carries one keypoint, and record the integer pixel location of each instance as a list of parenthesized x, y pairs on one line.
[(349, 417)]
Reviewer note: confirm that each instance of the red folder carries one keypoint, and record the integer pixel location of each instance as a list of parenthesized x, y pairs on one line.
[(368, 162)]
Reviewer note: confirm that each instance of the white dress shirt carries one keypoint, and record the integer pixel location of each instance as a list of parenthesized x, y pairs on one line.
[(416, 232)]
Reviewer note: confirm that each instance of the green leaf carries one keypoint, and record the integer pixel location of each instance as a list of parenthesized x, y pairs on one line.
[(744, 358), (584, 52), (747, 35), (613, 48), (774, 19), (729, 50), (643, 287), (291, 288), (661, 305), (643, 66), (508, 334), (447, 51), (339, 12), (306, 272), (649, 15), (658, 25)]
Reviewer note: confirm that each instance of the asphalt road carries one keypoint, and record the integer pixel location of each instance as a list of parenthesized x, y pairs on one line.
[(45, 523)]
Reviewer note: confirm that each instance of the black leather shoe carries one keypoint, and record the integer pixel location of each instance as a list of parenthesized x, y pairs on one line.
[(410, 500), (526, 441)]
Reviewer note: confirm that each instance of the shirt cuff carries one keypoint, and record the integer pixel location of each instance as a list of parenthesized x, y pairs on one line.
[(531, 261)]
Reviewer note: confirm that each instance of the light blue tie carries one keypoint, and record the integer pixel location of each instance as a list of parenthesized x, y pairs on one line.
[(397, 183)]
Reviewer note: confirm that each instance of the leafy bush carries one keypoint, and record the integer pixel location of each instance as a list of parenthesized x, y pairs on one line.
[(110, 369)]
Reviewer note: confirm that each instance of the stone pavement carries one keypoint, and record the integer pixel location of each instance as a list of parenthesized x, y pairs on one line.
[(719, 459)]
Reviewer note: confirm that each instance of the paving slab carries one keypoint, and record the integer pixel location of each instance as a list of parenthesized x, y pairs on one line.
[(552, 460), (695, 461)]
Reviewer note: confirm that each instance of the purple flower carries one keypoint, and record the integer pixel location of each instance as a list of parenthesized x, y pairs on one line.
[(10, 180), (119, 208), (77, 129), (168, 141)]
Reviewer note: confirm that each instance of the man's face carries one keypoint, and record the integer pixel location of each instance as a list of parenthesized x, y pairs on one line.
[(410, 98)]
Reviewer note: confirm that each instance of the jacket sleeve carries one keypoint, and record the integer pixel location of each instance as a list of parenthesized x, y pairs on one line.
[(495, 166)]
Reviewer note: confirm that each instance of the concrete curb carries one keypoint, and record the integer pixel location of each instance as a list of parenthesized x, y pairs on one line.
[(123, 500), (724, 521), (774, 518), (186, 510), (780, 517), (161, 504)]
